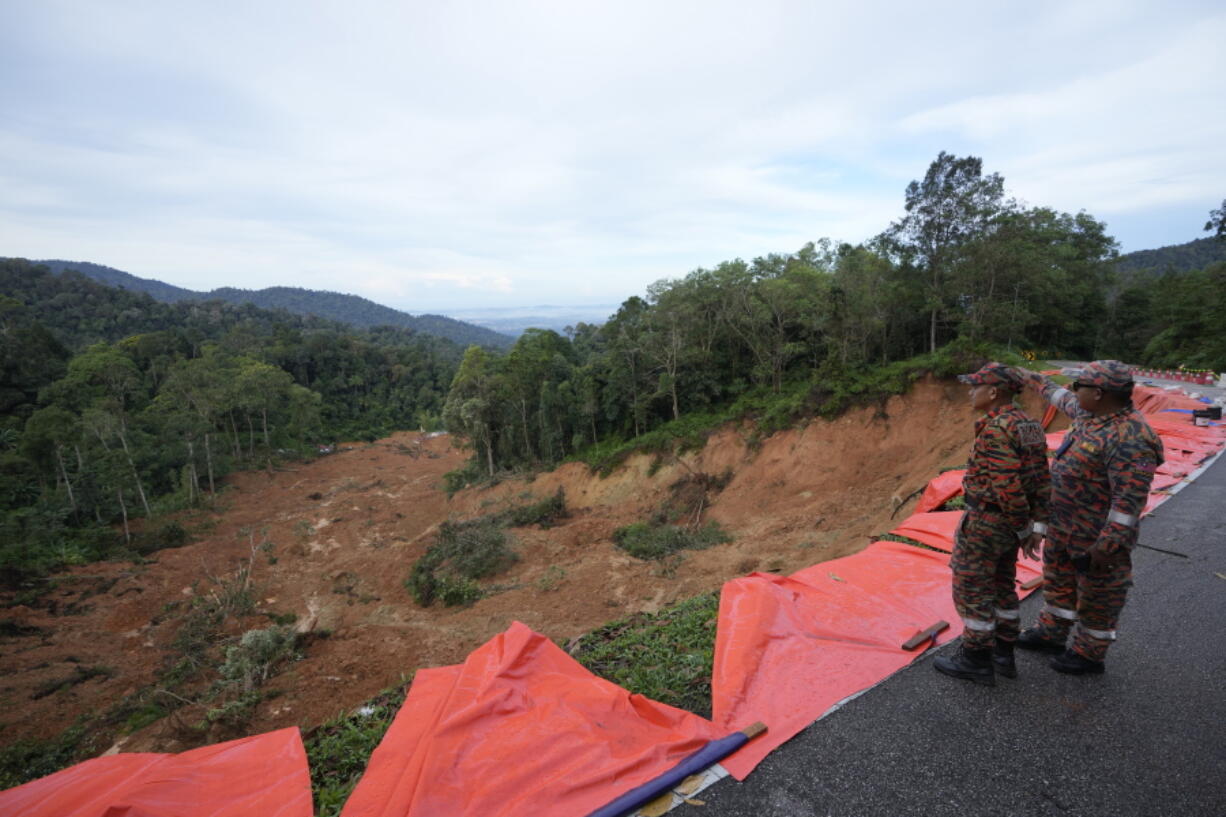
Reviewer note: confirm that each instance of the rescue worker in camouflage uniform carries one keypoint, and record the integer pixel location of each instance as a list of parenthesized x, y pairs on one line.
[(1100, 482), (1007, 489)]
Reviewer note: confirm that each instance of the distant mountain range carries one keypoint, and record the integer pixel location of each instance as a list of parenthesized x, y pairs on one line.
[(498, 327), (1193, 255), (351, 309), (513, 320)]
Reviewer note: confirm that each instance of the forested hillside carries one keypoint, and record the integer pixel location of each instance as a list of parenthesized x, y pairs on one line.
[(114, 405), (1189, 257), (346, 309)]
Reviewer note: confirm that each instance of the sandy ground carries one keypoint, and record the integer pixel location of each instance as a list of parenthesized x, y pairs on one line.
[(340, 535)]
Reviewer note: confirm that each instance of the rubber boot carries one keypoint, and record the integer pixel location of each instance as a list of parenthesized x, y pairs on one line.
[(969, 665), (1072, 663), (1033, 639), (1002, 657)]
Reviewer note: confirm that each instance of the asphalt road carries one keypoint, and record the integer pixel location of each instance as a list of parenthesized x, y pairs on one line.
[(1146, 738)]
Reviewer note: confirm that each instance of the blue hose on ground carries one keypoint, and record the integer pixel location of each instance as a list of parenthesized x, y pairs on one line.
[(708, 755)]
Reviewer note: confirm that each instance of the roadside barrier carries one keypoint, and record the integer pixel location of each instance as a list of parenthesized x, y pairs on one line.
[(521, 728)]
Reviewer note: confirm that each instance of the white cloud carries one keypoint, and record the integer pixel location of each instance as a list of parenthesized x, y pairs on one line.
[(524, 151)]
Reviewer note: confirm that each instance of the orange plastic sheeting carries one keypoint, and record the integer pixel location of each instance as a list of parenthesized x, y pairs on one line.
[(790, 648), (938, 529), (1151, 400), (935, 529), (1163, 481), (261, 776), (940, 490), (520, 728)]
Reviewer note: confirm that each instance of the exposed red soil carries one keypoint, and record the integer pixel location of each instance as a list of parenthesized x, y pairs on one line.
[(346, 529)]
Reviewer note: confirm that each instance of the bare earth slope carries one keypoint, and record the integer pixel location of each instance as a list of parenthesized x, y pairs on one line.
[(344, 531)]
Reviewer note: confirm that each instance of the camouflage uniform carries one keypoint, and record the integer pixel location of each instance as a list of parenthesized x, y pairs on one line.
[(1100, 482), (1006, 487)]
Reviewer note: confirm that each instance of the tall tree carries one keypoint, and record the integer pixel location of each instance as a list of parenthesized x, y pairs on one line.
[(954, 204), (1217, 222)]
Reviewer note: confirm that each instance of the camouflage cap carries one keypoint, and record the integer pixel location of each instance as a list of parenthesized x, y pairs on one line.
[(994, 374), (1104, 374)]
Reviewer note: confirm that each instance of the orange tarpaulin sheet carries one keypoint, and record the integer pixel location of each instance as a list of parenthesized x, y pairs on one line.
[(789, 648), (261, 776), (938, 529), (1163, 481), (520, 728), (940, 490), (935, 529)]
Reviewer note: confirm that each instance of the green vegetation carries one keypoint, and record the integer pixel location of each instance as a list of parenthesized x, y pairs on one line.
[(646, 540), (1180, 258), (479, 548), (667, 656), (339, 750), (351, 310), (462, 553), (26, 760), (116, 409)]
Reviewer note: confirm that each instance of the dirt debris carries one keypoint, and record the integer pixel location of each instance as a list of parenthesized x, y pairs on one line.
[(338, 536)]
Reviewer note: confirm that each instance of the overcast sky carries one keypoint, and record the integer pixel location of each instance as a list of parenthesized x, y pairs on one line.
[(435, 155)]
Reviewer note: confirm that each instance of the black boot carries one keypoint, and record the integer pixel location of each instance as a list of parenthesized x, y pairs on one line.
[(970, 665), (1073, 663), (1033, 639), (1002, 657)]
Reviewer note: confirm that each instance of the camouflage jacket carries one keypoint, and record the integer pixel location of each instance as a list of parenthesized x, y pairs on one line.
[(1008, 467), (1104, 467)]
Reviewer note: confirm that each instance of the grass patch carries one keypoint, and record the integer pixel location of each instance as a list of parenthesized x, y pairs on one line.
[(652, 540), (667, 656), (26, 760), (339, 750)]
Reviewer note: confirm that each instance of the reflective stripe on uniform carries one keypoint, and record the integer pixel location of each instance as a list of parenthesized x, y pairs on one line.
[(979, 626), (1060, 612), (1058, 395), (1101, 635), (1125, 519), (1011, 615)]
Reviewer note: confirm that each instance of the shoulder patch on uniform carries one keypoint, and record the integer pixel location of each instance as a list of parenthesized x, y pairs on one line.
[(1031, 434)]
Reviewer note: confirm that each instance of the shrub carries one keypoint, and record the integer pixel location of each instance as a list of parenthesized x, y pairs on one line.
[(252, 660), (461, 478), (462, 553), (645, 540), (166, 535), (543, 513)]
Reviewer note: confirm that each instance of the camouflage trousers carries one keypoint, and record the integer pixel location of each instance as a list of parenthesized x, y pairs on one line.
[(984, 564), (1092, 600)]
